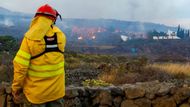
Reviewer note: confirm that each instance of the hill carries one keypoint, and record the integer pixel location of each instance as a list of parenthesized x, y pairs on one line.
[(100, 35), (16, 24)]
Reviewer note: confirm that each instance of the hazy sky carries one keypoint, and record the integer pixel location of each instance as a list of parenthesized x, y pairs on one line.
[(171, 12)]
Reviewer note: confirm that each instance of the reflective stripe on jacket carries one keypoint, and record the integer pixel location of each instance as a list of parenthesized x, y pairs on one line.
[(42, 79)]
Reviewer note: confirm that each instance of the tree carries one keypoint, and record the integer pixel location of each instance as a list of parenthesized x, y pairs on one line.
[(178, 31), (155, 33), (8, 43), (188, 33), (182, 33)]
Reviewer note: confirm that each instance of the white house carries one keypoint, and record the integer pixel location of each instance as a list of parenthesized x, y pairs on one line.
[(125, 38), (170, 35)]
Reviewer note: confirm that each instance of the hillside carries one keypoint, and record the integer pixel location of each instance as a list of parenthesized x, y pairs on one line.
[(174, 50), (16, 24), (102, 36)]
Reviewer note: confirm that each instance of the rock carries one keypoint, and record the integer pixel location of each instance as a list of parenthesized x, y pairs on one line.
[(82, 92), (189, 100), (156, 88), (103, 106), (2, 90), (143, 102), (164, 89), (10, 104), (129, 95), (77, 102), (73, 102), (9, 98), (104, 98), (182, 94), (164, 102), (128, 103), (150, 96), (185, 105), (151, 89), (117, 101), (8, 90), (86, 102), (134, 92), (96, 102), (116, 91), (174, 90), (93, 91), (185, 85), (71, 93), (2, 100)]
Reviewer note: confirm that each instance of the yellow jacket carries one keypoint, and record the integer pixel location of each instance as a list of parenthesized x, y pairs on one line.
[(42, 79)]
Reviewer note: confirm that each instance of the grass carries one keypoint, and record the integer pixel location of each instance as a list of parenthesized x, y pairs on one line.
[(176, 69), (74, 61), (117, 78), (113, 69), (117, 74), (157, 71)]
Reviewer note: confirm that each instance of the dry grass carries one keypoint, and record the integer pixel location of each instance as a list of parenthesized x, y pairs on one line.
[(161, 72), (118, 78), (117, 74), (109, 76), (177, 69)]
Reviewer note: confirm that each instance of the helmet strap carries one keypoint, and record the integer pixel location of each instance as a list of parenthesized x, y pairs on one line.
[(52, 26), (60, 16)]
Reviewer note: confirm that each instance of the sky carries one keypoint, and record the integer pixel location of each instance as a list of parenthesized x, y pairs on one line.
[(169, 12)]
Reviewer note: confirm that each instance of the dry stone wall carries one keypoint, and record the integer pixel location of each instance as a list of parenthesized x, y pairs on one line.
[(147, 94)]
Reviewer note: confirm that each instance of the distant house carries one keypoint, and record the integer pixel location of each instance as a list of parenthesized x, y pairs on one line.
[(125, 38), (170, 35), (159, 37)]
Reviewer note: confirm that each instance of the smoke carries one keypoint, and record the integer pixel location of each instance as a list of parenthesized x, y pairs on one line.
[(150, 10), (7, 22)]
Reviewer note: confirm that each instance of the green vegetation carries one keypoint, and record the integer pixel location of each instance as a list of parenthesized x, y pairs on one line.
[(8, 47), (94, 82), (8, 43)]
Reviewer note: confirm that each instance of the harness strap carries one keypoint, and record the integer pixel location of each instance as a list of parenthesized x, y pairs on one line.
[(51, 45)]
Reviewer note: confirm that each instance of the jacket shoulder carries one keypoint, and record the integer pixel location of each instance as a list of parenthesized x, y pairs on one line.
[(56, 29)]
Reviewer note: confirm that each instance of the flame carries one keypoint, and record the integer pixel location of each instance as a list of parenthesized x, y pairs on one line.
[(87, 31)]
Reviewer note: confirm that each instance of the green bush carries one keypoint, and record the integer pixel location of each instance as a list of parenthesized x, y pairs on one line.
[(94, 82)]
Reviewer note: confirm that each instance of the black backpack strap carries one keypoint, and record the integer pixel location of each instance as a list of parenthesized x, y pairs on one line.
[(51, 45), (33, 57)]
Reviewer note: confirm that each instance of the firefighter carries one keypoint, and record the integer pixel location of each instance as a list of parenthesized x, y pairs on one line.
[(39, 63)]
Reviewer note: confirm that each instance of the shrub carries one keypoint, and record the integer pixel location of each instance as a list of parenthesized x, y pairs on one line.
[(94, 82)]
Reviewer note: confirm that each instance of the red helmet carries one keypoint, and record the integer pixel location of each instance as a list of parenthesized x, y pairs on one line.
[(47, 10)]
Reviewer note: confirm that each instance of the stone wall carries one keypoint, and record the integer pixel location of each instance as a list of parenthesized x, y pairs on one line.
[(147, 94)]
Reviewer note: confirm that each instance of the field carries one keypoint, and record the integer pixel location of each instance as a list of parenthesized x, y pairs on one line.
[(97, 69), (176, 69), (94, 69)]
